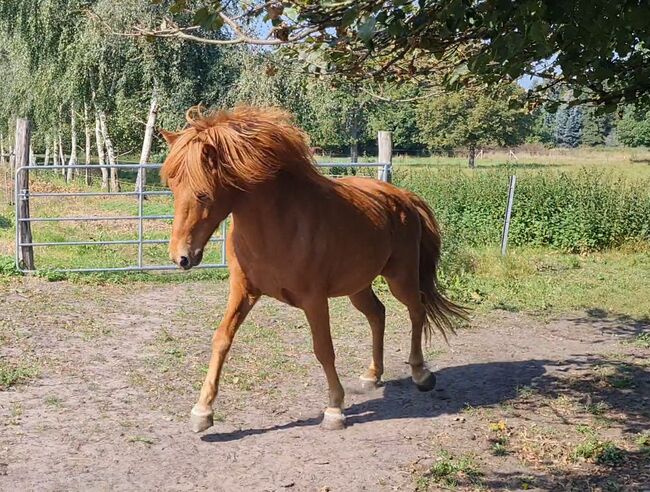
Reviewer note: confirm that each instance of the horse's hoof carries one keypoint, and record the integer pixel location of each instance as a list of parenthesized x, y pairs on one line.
[(333, 419), (427, 383), (201, 419), (369, 384)]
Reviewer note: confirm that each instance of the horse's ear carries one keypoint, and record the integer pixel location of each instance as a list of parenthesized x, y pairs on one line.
[(170, 137)]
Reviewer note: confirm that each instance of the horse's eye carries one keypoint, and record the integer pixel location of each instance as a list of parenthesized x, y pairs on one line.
[(203, 197)]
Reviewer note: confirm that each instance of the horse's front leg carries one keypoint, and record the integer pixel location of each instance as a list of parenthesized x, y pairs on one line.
[(317, 312), (240, 302)]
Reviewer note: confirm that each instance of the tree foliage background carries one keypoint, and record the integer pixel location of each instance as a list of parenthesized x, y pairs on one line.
[(58, 56)]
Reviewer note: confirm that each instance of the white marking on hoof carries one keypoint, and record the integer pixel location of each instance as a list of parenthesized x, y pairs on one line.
[(333, 419), (422, 376), (426, 381), (369, 384), (201, 419)]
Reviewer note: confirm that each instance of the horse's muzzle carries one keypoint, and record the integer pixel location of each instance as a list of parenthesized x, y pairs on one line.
[(189, 261)]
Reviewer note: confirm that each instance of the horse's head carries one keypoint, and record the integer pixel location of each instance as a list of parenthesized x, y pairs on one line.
[(217, 156), (200, 203)]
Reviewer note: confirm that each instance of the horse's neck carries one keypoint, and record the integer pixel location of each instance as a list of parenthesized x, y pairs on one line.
[(273, 203)]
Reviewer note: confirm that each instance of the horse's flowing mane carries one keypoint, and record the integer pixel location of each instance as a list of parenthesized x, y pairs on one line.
[(237, 148)]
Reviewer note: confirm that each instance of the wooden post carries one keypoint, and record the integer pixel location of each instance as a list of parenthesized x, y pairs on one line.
[(385, 146), (23, 140)]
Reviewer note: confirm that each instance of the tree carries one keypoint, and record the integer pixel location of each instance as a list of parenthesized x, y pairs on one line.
[(543, 127), (633, 129), (596, 128), (568, 128), (599, 48), (469, 120), (395, 110)]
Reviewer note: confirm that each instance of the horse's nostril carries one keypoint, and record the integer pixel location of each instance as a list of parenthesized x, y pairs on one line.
[(184, 262)]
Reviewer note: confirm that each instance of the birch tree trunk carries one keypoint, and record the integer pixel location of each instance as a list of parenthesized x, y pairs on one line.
[(32, 156), (74, 160), (46, 159), (110, 152), (354, 134), (146, 143), (55, 152), (2, 149), (101, 155), (61, 155), (12, 159), (88, 142)]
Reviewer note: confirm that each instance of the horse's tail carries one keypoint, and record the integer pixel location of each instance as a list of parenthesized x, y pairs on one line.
[(441, 312)]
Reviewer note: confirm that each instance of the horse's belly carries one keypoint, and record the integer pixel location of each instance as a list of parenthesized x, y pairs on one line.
[(292, 281)]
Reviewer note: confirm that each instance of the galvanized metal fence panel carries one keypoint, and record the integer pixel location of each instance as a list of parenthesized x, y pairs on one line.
[(383, 172)]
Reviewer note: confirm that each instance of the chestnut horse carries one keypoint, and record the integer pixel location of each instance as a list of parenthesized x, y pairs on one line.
[(301, 238)]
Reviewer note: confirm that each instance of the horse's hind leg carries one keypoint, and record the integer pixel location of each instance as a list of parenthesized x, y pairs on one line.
[(367, 302), (406, 288)]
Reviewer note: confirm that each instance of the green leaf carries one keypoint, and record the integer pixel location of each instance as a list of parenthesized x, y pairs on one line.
[(538, 31), (367, 29), (201, 16), (349, 17), (291, 12), (208, 20), (178, 6)]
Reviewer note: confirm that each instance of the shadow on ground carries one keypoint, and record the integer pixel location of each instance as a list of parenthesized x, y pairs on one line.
[(604, 480), (622, 326), (457, 388), (617, 384)]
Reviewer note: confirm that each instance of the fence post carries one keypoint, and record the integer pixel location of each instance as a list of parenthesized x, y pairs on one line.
[(506, 224), (24, 232), (385, 146)]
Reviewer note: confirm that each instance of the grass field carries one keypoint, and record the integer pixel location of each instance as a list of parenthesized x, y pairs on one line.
[(626, 162), (532, 277)]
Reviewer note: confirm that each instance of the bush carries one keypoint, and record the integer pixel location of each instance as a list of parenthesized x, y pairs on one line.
[(576, 212), (7, 266)]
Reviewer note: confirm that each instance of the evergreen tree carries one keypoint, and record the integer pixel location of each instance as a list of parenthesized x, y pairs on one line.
[(543, 127), (596, 128), (569, 126)]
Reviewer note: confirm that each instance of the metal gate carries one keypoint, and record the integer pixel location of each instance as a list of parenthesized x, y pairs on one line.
[(26, 245)]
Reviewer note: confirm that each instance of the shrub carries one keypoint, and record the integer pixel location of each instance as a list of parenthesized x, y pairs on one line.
[(577, 212)]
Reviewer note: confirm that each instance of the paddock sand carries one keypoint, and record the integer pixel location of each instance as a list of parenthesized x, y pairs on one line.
[(522, 403)]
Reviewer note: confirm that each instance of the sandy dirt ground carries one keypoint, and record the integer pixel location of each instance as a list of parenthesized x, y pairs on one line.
[(104, 377)]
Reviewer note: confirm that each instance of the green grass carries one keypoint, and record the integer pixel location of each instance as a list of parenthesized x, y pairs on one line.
[(141, 439), (53, 401), (643, 340), (13, 373), (643, 441), (596, 450), (543, 280), (631, 163), (450, 471)]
